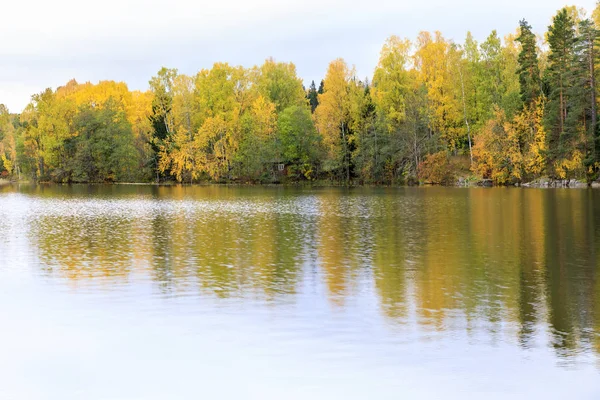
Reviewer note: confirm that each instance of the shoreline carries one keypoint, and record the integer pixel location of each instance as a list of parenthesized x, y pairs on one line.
[(542, 183)]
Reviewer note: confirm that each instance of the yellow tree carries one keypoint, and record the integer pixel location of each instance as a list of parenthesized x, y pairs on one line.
[(394, 91), (222, 95), (180, 155), (391, 80), (332, 117), (178, 152), (138, 113), (257, 143), (434, 61), (497, 154), (97, 95), (183, 103), (278, 82), (51, 116), (216, 141), (8, 146), (530, 128)]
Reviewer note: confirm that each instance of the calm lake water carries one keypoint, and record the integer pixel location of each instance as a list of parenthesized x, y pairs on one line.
[(145, 292)]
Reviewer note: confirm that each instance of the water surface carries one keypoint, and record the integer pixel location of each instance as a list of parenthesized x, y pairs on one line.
[(146, 292)]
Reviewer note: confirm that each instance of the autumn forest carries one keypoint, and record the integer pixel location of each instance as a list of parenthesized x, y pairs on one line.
[(507, 109)]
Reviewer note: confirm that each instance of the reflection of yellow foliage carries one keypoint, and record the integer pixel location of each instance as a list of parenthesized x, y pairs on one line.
[(390, 264), (440, 276), (499, 260), (333, 258)]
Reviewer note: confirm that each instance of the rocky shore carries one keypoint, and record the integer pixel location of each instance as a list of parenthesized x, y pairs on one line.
[(560, 183), (538, 183)]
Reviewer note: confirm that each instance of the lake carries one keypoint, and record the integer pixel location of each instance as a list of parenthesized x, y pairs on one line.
[(156, 292)]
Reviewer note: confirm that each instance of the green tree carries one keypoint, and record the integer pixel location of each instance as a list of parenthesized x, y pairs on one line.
[(279, 83), (257, 150), (162, 120), (562, 135), (312, 97), (299, 142), (104, 147), (529, 69), (583, 91)]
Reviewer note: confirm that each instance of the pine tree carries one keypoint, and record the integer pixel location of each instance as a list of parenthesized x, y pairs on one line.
[(582, 117), (560, 77)]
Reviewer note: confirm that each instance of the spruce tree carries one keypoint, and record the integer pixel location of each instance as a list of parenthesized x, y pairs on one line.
[(312, 96), (529, 70)]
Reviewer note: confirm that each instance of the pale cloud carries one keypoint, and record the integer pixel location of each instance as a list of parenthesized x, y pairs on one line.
[(46, 43)]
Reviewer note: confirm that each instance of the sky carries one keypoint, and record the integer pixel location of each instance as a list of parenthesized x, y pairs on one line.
[(47, 43)]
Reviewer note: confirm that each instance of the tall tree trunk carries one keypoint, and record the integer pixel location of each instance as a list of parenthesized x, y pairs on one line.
[(562, 115)]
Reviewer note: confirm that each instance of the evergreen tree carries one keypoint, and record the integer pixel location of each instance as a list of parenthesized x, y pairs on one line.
[(312, 97), (529, 70), (367, 142), (560, 77), (428, 98), (585, 90), (321, 87)]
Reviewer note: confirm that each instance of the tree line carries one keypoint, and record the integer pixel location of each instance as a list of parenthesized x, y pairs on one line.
[(509, 109)]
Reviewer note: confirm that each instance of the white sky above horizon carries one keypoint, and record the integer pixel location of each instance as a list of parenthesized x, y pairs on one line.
[(45, 44)]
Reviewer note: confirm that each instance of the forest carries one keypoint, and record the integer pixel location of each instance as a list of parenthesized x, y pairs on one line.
[(509, 109)]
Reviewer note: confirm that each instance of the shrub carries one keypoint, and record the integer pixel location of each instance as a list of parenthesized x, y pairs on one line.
[(436, 169)]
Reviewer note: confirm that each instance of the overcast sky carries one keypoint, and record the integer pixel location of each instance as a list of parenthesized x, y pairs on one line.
[(46, 43)]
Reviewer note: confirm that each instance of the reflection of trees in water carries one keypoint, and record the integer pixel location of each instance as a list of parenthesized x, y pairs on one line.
[(226, 254), (340, 244), (82, 248), (162, 261), (498, 261), (502, 260), (572, 268), (505, 225), (394, 255)]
